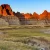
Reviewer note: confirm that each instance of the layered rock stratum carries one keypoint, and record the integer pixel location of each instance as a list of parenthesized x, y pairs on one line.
[(18, 18)]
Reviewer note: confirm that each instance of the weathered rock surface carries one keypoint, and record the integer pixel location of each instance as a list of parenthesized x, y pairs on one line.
[(31, 19), (12, 20), (3, 22), (6, 10)]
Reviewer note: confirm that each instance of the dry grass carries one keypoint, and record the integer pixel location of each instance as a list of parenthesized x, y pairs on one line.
[(19, 38)]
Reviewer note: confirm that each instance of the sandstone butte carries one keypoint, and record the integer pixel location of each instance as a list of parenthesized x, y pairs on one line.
[(6, 10)]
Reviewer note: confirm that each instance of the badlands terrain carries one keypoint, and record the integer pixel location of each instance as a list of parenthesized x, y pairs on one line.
[(20, 31)]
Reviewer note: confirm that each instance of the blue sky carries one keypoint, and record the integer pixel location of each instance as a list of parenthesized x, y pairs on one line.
[(28, 5)]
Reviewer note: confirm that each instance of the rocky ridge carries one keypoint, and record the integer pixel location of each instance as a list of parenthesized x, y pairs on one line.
[(11, 17)]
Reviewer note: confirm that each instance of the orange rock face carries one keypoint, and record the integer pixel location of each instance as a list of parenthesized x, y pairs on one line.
[(27, 16), (43, 15), (35, 15), (0, 10), (5, 10), (49, 15)]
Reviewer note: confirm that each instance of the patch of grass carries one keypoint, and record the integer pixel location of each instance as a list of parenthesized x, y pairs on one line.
[(12, 38), (9, 45), (25, 33)]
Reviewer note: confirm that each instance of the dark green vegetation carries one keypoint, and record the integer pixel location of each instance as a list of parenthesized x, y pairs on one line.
[(24, 38)]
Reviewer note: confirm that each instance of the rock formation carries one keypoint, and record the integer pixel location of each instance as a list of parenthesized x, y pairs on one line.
[(44, 15), (35, 16), (27, 15), (7, 15), (48, 16), (6, 10), (0, 10), (3, 22), (21, 17), (13, 18)]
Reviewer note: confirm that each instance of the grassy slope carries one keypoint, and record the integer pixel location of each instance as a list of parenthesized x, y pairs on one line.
[(11, 39)]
